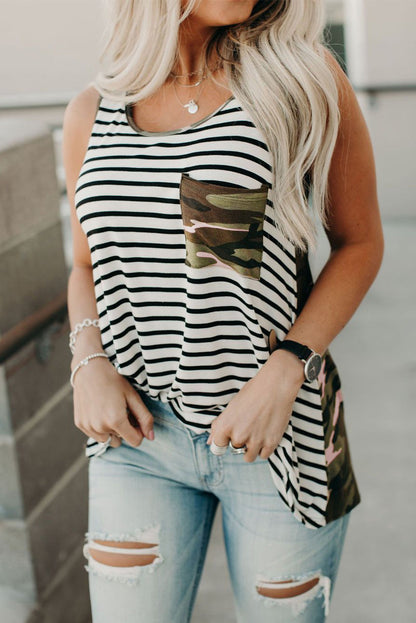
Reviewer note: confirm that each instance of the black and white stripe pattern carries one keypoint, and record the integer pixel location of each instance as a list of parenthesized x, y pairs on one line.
[(193, 337)]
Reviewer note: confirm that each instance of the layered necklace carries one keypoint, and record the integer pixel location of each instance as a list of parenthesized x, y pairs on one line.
[(192, 105)]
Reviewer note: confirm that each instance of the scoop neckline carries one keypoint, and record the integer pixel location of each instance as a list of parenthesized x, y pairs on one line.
[(132, 123)]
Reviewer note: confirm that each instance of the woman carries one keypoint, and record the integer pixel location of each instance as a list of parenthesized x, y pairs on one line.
[(215, 133)]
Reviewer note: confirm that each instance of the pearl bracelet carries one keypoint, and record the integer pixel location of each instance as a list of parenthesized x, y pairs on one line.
[(87, 322), (84, 362)]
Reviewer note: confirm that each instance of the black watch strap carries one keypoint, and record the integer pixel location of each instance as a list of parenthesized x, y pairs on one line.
[(300, 350)]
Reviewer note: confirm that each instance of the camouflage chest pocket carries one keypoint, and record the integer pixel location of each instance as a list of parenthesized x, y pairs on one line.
[(223, 225)]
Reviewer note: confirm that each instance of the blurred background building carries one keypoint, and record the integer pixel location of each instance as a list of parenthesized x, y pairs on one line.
[(49, 51)]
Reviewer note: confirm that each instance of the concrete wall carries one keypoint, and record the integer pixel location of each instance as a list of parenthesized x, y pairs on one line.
[(49, 48), (381, 41), (391, 121), (381, 52), (43, 488)]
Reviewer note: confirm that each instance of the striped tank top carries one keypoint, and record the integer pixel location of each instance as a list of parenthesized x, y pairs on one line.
[(192, 277)]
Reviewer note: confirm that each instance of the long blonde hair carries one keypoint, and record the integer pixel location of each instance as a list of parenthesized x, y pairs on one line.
[(275, 63)]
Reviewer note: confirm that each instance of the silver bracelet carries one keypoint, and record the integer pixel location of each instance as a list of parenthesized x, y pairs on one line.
[(84, 362), (87, 322)]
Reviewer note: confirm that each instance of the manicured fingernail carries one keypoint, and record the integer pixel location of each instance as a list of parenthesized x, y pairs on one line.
[(151, 434)]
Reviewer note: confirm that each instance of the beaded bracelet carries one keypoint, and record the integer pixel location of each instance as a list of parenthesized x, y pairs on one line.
[(87, 322), (84, 362)]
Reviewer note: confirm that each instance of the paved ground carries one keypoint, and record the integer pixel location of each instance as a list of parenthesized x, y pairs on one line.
[(376, 357)]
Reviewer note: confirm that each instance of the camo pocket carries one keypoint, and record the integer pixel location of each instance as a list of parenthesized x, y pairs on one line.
[(223, 225)]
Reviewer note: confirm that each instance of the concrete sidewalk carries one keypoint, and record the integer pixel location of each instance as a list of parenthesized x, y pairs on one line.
[(376, 358)]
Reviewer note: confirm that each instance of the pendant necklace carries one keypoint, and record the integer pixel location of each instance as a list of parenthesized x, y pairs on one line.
[(192, 105)]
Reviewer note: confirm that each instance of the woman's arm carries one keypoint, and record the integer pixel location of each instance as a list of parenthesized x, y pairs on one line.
[(356, 239), (101, 395), (354, 230), (77, 126)]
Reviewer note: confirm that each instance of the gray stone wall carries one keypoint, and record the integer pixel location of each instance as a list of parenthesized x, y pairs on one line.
[(43, 488)]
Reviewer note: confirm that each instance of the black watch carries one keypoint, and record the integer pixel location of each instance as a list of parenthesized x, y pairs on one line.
[(312, 360)]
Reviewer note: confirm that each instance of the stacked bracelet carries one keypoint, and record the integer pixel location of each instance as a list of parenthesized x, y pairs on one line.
[(84, 362), (87, 322)]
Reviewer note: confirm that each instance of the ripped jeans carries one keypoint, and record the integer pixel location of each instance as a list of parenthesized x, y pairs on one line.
[(150, 515)]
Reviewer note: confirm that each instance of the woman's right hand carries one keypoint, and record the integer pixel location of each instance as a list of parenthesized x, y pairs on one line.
[(101, 394), (102, 401)]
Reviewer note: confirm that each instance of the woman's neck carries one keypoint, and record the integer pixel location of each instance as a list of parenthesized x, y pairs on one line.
[(192, 40)]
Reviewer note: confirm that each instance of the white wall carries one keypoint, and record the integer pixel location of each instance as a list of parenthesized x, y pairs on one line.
[(391, 122), (381, 50), (335, 11), (48, 48), (381, 41)]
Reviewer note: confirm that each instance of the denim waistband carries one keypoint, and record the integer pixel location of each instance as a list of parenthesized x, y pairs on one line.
[(158, 408), (163, 411)]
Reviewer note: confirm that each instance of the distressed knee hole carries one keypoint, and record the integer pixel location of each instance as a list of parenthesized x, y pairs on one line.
[(296, 593), (121, 557), (286, 588), (123, 554)]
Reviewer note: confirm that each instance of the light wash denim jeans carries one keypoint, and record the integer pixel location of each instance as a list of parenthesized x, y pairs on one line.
[(165, 493)]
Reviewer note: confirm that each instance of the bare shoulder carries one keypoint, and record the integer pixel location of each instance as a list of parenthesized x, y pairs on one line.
[(83, 106), (80, 114), (354, 212), (353, 140), (347, 99), (78, 122)]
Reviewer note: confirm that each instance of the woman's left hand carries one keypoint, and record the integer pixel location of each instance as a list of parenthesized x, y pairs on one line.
[(259, 413)]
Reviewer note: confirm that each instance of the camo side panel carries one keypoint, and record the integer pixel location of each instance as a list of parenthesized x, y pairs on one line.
[(223, 225), (343, 493)]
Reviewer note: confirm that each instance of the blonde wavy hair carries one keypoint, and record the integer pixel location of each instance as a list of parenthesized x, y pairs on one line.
[(275, 63)]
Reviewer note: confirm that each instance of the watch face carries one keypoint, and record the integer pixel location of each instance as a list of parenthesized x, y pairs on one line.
[(313, 367)]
